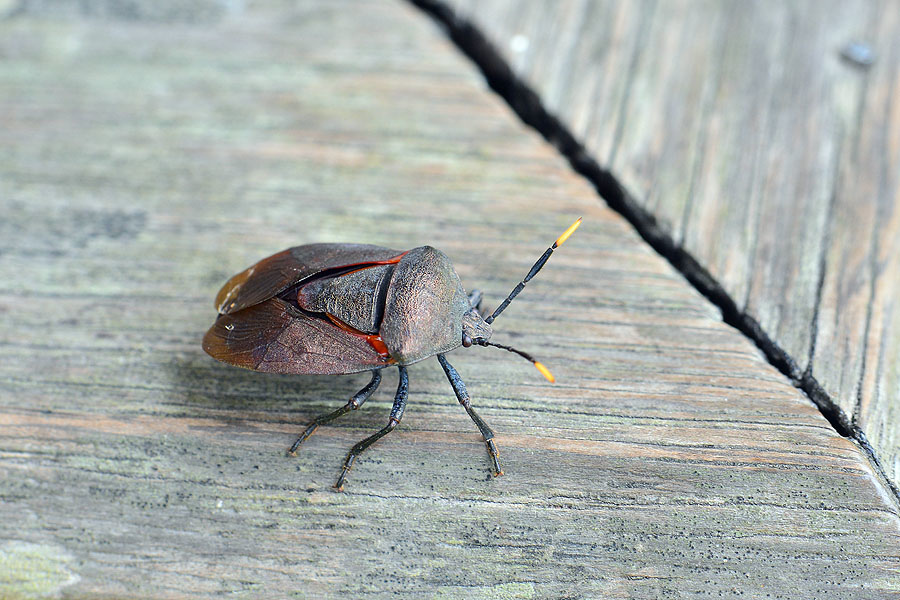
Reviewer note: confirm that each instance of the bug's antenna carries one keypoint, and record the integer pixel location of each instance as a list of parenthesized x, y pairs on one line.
[(534, 271), (540, 367)]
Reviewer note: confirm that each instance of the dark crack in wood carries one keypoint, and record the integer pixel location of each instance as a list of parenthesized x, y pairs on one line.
[(530, 108)]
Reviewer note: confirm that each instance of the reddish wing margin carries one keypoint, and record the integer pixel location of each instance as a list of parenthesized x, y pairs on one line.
[(273, 337), (274, 274)]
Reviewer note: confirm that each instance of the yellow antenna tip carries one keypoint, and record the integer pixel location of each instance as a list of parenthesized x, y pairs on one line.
[(545, 372), (568, 232)]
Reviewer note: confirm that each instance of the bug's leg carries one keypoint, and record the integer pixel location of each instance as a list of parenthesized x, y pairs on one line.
[(396, 415), (355, 402), (475, 299), (463, 396)]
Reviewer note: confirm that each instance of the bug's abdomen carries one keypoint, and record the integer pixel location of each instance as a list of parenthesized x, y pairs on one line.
[(356, 298)]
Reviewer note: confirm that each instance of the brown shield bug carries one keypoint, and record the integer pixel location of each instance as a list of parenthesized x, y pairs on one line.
[(331, 309)]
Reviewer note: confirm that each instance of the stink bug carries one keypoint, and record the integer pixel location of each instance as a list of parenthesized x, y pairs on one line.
[(332, 309)]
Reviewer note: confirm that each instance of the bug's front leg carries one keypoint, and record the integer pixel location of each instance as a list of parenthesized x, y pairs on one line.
[(396, 415), (355, 402), (463, 396)]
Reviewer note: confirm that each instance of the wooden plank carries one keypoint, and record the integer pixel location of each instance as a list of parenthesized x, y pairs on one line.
[(858, 327), (759, 149), (144, 162)]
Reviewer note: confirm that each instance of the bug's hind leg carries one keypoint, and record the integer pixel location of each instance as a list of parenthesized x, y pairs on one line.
[(463, 396), (355, 402), (396, 415)]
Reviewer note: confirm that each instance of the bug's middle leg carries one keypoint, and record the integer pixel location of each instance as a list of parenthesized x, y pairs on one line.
[(463, 396), (475, 300), (355, 402), (396, 415)]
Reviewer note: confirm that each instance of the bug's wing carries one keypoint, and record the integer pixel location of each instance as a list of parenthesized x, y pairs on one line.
[(274, 274), (273, 337)]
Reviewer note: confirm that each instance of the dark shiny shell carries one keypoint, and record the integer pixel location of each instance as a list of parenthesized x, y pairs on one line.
[(339, 308)]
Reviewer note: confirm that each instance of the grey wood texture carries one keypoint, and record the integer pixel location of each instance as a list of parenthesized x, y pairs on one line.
[(145, 160), (769, 157)]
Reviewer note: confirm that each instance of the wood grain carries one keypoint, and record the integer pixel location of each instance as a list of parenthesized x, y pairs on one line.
[(144, 162), (761, 151), (857, 343)]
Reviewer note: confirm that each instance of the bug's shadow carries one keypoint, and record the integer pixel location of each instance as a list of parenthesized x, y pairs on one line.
[(209, 389)]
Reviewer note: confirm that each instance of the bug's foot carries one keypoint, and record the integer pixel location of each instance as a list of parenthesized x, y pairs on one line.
[(339, 484), (309, 431), (292, 451), (348, 464), (496, 471)]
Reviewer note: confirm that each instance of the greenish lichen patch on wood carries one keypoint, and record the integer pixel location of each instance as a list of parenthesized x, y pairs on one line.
[(34, 570)]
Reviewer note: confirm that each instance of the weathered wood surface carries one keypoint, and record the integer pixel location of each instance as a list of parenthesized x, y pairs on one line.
[(770, 158), (143, 162)]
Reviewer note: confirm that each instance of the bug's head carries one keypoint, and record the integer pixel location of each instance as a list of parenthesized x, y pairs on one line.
[(477, 330), (474, 327)]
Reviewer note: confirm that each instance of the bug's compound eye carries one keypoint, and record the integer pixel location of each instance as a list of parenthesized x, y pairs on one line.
[(467, 341)]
